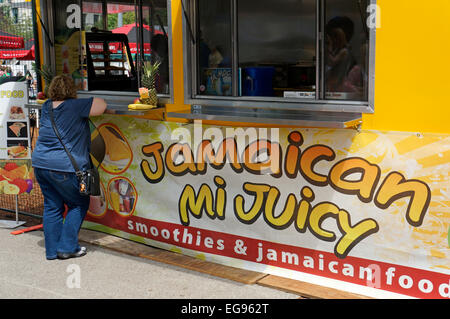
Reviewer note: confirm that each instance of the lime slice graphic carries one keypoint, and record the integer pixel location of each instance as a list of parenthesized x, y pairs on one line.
[(448, 236)]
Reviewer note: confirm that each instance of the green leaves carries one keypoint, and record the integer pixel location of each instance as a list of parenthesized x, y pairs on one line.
[(150, 70), (46, 73)]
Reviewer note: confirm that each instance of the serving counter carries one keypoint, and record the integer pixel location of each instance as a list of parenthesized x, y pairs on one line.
[(116, 104), (270, 116)]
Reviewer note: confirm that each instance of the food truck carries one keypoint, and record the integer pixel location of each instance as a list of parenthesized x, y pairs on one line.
[(302, 139)]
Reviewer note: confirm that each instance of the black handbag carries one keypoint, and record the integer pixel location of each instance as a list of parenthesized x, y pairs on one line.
[(89, 180)]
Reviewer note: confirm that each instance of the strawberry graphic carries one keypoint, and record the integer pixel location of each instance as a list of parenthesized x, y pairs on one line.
[(10, 166), (23, 185)]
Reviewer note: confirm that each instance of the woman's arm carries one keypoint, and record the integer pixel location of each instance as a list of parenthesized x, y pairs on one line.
[(98, 107)]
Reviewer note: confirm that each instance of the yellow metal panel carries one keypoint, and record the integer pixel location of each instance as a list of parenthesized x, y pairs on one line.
[(412, 78), (177, 58), (412, 67), (39, 34)]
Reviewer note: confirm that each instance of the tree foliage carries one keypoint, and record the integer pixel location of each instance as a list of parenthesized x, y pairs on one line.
[(24, 27)]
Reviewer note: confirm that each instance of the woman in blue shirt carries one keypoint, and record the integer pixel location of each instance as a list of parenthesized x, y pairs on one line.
[(53, 168)]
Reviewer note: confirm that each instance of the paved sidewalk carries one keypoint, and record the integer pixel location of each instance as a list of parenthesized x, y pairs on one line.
[(103, 273)]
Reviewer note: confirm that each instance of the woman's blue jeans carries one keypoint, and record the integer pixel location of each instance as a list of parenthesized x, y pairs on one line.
[(59, 188)]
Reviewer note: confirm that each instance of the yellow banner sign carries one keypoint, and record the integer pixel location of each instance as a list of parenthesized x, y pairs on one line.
[(366, 212)]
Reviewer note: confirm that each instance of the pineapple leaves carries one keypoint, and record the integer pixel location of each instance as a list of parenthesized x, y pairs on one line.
[(46, 73), (150, 71)]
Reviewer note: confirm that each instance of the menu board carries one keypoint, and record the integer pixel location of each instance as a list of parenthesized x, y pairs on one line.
[(69, 41), (14, 122), (67, 57)]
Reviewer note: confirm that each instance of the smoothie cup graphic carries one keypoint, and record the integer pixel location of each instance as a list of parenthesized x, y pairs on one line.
[(122, 196), (95, 205), (126, 204)]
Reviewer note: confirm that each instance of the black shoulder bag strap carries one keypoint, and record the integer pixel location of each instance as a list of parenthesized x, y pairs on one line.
[(75, 166)]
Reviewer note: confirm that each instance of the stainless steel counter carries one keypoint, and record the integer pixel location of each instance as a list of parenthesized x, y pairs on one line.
[(119, 101), (271, 117), (119, 109)]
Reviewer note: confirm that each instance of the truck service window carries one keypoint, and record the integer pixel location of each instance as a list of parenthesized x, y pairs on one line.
[(135, 32), (309, 50)]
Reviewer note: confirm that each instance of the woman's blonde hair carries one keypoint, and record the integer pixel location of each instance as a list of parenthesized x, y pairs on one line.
[(62, 88)]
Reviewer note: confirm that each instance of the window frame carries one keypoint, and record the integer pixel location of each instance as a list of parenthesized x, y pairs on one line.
[(191, 97), (119, 97)]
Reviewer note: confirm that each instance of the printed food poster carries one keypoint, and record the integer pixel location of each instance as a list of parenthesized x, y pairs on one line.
[(68, 59), (118, 155), (69, 42), (15, 140), (16, 177), (366, 212)]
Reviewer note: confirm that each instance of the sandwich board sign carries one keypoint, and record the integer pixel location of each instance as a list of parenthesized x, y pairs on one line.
[(14, 129), (15, 144)]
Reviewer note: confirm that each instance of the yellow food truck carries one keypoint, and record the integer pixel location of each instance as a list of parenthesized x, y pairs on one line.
[(302, 139)]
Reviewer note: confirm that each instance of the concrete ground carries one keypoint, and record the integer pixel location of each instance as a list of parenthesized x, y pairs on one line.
[(105, 274)]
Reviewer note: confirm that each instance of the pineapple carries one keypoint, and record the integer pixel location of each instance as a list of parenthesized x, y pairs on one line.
[(148, 94), (46, 73)]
